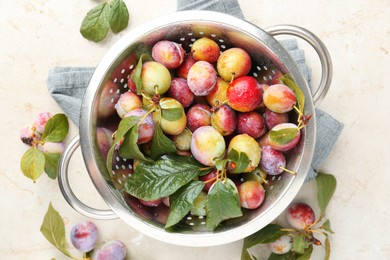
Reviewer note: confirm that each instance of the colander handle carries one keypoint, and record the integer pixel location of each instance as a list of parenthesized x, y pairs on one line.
[(319, 47), (70, 197)]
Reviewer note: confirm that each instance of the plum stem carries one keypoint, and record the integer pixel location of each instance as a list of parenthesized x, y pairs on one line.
[(287, 170), (144, 116), (288, 230), (233, 76)]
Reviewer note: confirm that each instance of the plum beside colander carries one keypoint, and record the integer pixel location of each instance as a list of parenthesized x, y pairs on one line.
[(268, 56)]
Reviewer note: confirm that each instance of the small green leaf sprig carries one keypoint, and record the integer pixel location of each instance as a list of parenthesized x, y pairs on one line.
[(303, 241), (46, 148), (99, 20), (53, 229)]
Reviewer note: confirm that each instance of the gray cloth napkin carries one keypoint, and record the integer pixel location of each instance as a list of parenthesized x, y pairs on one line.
[(67, 85)]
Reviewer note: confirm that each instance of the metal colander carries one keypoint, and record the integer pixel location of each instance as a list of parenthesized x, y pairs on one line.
[(110, 80)]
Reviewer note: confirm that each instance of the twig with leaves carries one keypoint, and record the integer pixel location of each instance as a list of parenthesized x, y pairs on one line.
[(302, 240)]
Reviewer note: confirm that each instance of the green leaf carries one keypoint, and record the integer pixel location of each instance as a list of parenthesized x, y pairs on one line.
[(268, 234), (246, 255), (182, 200), (161, 144), (241, 161), (300, 243), (307, 254), (326, 226), (136, 77), (326, 186), (220, 164), (95, 24), (56, 129), (119, 16), (53, 228), (283, 136), (163, 177), (124, 126), (32, 163), (223, 203), (129, 148), (327, 249), (51, 164), (287, 256), (172, 114), (289, 82)]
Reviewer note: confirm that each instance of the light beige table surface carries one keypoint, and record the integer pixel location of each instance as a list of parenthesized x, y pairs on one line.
[(38, 35)]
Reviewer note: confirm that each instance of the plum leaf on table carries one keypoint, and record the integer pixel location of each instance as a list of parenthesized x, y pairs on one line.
[(56, 129), (119, 16), (99, 20), (53, 228), (32, 163)]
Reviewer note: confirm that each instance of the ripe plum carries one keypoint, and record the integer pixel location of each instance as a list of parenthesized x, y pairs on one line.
[(151, 203), (244, 143), (300, 215), (50, 147), (28, 135), (182, 141), (233, 63), (198, 115), (182, 71), (283, 145), (205, 49), (168, 53), (147, 126), (281, 246), (111, 250), (217, 96), (279, 98), (207, 145), (272, 161), (251, 123), (130, 83), (128, 101), (180, 91), (108, 98), (201, 78), (156, 78), (272, 119), (251, 193), (168, 125), (40, 121), (84, 236), (224, 119), (244, 94)]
